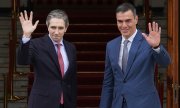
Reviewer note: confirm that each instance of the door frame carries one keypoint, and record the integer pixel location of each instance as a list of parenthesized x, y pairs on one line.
[(172, 73)]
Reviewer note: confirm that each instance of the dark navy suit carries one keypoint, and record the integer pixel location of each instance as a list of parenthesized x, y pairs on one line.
[(48, 82), (136, 86)]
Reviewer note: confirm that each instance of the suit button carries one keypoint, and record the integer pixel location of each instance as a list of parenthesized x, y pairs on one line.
[(124, 81)]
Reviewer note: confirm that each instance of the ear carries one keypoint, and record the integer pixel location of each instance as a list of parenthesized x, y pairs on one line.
[(136, 19), (66, 28), (48, 28)]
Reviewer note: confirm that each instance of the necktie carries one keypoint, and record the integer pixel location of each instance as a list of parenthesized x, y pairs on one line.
[(61, 64), (125, 56)]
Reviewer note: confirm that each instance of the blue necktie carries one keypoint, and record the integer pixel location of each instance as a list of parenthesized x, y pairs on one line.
[(125, 56)]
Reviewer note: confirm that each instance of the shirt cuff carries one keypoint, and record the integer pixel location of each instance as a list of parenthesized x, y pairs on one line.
[(25, 39), (157, 49)]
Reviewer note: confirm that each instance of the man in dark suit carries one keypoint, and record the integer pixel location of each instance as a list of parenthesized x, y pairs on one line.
[(129, 82), (53, 60)]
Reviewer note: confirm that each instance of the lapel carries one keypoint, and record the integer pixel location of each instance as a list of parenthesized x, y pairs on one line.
[(52, 53), (116, 52), (133, 50), (69, 56), (117, 48)]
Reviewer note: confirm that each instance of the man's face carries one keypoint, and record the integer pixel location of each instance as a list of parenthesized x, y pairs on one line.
[(56, 29), (126, 23)]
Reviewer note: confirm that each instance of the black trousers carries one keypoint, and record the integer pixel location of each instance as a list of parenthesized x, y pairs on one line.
[(61, 106)]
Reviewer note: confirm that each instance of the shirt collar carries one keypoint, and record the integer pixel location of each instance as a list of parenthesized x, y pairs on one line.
[(131, 37), (55, 43)]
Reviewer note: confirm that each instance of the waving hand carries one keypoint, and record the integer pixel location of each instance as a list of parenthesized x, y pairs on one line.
[(154, 35), (26, 23)]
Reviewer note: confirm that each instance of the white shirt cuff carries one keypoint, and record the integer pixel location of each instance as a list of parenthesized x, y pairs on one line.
[(25, 39), (157, 49)]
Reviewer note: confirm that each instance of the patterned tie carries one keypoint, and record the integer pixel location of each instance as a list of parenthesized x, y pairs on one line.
[(61, 64), (125, 55)]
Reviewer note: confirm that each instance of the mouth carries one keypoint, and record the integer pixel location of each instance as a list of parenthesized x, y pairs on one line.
[(124, 31), (56, 36)]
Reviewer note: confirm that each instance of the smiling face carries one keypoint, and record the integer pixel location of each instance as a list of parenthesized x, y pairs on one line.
[(126, 23), (56, 29)]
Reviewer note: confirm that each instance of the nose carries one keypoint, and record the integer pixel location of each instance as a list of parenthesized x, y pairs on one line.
[(124, 24), (56, 31)]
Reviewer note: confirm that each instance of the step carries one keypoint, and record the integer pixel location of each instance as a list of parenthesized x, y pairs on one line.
[(74, 3), (90, 78), (90, 46), (88, 101), (92, 66), (5, 21), (91, 55), (89, 90)]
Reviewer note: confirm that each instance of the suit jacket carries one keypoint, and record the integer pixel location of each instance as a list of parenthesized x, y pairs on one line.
[(48, 82), (136, 86)]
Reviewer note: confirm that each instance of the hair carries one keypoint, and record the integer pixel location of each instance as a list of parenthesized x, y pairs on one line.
[(60, 14), (124, 7)]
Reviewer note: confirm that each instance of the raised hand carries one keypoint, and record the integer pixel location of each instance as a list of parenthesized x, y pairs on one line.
[(154, 35), (26, 23)]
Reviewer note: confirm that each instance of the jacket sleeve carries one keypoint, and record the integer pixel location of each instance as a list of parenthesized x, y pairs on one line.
[(162, 58), (24, 54), (108, 83)]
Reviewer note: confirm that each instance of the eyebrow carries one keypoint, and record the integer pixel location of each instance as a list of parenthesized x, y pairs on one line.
[(127, 20), (56, 26)]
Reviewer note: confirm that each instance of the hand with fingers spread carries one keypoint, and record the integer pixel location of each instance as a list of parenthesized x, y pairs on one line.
[(154, 35), (26, 23)]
